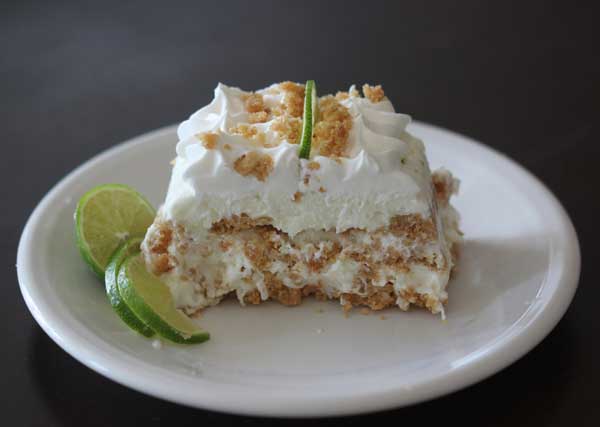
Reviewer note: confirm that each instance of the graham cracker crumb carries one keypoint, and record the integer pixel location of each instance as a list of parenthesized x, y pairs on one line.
[(258, 117), (331, 132), (239, 223), (288, 128), (254, 163), (293, 99), (444, 186), (160, 241), (182, 246), (297, 196), (327, 255), (249, 132), (258, 254), (322, 190), (252, 297), (346, 306), (224, 245), (376, 297), (312, 165), (341, 96), (365, 311), (253, 102), (373, 93), (209, 139), (280, 292), (226, 147), (162, 264), (197, 314), (414, 227), (420, 300), (258, 112)]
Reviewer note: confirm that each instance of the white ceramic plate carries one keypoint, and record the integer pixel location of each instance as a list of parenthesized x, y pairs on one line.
[(517, 274)]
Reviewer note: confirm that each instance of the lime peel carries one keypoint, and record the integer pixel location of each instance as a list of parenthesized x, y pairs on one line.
[(151, 301), (309, 118), (130, 247)]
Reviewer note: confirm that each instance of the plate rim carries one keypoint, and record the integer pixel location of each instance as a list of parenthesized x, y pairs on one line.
[(96, 354)]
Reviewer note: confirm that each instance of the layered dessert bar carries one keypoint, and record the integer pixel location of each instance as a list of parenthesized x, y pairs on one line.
[(362, 221)]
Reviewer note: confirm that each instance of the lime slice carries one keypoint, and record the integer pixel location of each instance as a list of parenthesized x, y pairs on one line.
[(151, 301), (130, 247), (105, 217), (309, 118)]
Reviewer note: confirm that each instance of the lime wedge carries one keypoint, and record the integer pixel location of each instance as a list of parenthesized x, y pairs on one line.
[(130, 247), (105, 217), (151, 301), (309, 118)]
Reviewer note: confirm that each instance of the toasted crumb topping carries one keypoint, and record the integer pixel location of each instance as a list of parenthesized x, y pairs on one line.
[(253, 102), (333, 125), (373, 93), (209, 139), (331, 132), (258, 117), (297, 196), (313, 165), (226, 147), (258, 112), (249, 132), (254, 163), (293, 98), (340, 96), (322, 189), (288, 128)]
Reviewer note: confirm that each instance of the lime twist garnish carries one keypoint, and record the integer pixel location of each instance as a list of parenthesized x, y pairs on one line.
[(130, 247), (308, 118), (151, 301)]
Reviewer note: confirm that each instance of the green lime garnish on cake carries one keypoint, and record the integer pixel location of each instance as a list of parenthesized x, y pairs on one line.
[(151, 301), (308, 118), (105, 217), (130, 247)]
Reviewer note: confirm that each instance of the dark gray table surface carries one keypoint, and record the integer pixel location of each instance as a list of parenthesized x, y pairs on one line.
[(77, 78)]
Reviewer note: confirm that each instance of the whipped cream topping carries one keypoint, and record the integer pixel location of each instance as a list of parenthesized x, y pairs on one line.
[(384, 173)]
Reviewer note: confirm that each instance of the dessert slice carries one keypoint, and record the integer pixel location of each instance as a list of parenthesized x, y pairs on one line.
[(362, 220)]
